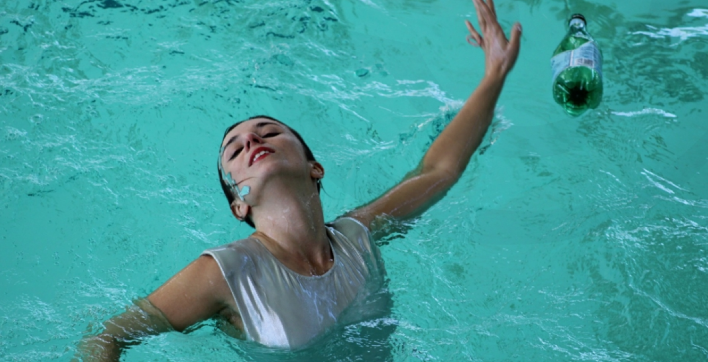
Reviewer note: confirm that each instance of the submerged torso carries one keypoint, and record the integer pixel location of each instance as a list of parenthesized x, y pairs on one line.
[(281, 308)]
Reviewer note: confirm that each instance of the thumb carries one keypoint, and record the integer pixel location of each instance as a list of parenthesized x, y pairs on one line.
[(515, 41)]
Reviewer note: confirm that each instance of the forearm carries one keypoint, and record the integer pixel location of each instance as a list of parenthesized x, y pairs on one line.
[(446, 159), (103, 348), (140, 320), (453, 148)]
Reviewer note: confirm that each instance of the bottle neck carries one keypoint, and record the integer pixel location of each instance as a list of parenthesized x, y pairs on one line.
[(577, 24)]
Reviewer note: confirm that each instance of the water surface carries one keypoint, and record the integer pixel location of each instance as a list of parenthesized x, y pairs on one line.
[(566, 239)]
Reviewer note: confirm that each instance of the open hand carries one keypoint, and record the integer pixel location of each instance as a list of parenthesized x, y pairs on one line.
[(500, 54)]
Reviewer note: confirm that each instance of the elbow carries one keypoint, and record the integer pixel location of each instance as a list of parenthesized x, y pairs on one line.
[(448, 179), (456, 170), (446, 175)]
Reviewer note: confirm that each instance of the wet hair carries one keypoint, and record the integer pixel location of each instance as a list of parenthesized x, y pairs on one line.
[(225, 186)]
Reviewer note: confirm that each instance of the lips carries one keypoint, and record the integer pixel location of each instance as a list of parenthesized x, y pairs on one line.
[(258, 154)]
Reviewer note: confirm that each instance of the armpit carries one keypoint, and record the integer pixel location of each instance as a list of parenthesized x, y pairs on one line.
[(231, 323)]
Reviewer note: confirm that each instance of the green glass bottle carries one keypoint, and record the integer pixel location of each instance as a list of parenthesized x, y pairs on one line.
[(577, 69)]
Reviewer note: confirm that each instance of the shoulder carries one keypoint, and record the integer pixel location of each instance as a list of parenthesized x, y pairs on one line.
[(353, 230), (194, 294), (243, 246), (235, 257), (348, 223)]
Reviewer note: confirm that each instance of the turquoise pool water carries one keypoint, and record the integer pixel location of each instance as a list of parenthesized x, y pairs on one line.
[(581, 239)]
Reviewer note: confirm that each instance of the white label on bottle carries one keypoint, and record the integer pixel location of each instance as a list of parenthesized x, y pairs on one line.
[(587, 55)]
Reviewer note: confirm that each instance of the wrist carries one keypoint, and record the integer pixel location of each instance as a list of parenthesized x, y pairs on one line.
[(494, 75), (493, 81)]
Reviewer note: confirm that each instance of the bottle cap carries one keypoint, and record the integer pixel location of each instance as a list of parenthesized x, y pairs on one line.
[(577, 16)]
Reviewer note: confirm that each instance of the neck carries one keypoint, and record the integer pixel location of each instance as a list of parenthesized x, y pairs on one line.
[(290, 223)]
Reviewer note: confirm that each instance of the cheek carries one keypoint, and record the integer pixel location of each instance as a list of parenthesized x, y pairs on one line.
[(229, 171)]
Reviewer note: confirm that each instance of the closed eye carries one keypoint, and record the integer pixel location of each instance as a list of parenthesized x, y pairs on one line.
[(235, 153), (270, 134)]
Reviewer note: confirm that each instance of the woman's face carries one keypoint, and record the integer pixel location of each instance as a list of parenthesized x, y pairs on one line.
[(259, 149)]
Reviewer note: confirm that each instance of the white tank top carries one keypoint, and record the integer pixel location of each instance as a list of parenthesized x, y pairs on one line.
[(281, 308)]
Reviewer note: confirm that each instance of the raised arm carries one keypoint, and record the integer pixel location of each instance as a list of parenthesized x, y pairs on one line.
[(194, 294), (446, 159)]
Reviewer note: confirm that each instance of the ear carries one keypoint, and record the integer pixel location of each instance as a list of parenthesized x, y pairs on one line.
[(240, 209), (317, 171)]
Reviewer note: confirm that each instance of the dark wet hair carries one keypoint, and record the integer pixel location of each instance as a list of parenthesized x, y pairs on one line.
[(225, 187)]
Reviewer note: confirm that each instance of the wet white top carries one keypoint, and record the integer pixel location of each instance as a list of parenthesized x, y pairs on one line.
[(281, 308)]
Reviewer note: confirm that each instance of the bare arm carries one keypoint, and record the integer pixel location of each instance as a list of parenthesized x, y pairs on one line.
[(194, 294), (446, 159)]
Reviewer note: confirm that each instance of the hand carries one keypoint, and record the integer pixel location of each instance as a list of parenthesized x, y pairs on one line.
[(499, 53)]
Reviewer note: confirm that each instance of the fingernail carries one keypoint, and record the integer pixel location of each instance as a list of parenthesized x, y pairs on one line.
[(518, 26)]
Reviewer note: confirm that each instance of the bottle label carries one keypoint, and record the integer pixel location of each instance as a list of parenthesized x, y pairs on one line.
[(586, 55)]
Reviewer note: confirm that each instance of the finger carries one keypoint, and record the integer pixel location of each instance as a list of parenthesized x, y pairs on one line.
[(473, 33), (482, 11), (515, 42), (491, 8), (472, 41)]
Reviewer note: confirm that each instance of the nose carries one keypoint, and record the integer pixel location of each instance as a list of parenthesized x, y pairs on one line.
[(252, 139)]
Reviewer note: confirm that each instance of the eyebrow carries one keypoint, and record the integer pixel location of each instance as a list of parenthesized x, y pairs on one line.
[(259, 125)]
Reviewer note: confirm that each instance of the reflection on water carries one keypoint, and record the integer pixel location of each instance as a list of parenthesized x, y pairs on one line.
[(683, 33)]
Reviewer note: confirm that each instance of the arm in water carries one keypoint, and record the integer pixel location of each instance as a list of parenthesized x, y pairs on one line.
[(446, 159), (196, 293)]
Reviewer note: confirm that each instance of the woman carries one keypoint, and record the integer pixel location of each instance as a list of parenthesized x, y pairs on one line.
[(295, 276)]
